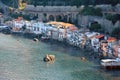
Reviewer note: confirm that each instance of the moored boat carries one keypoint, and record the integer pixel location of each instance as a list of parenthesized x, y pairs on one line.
[(45, 38), (111, 63)]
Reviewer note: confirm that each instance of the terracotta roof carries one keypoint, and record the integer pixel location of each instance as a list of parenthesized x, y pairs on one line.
[(65, 25), (111, 39), (73, 28), (99, 36)]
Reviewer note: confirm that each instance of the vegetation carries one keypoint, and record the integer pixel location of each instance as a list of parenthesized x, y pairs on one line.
[(1, 10), (112, 2), (91, 11), (116, 32), (114, 18), (11, 3), (96, 27), (63, 2), (25, 16)]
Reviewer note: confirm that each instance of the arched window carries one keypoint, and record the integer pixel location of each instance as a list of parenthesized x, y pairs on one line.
[(65, 18), (58, 18), (51, 18)]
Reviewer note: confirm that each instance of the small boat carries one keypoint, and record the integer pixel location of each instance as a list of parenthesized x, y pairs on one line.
[(45, 38), (35, 39), (110, 63)]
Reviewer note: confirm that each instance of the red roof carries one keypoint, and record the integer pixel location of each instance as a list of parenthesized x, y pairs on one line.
[(111, 39), (73, 28), (99, 36)]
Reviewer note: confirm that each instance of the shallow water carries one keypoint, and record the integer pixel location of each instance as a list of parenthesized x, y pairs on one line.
[(22, 59)]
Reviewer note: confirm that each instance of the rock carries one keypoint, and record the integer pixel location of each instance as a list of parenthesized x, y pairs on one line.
[(83, 58), (48, 58), (35, 39)]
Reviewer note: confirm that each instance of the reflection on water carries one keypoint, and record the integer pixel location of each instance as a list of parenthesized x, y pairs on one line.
[(22, 59)]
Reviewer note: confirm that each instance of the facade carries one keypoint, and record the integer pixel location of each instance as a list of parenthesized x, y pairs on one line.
[(53, 13)]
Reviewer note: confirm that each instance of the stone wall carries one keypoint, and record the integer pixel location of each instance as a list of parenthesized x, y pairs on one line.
[(73, 11), (106, 24), (68, 12), (52, 8), (109, 8), (71, 8)]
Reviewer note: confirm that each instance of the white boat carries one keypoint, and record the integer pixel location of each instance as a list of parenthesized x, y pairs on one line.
[(45, 38), (111, 63)]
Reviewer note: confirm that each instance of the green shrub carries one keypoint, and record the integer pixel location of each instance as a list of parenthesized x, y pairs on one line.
[(91, 11), (95, 27), (114, 18), (16, 15), (116, 33)]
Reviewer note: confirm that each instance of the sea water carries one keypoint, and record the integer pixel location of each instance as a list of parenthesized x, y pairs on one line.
[(22, 59)]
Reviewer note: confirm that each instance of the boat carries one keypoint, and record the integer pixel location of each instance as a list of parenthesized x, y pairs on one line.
[(111, 63), (35, 39), (45, 37)]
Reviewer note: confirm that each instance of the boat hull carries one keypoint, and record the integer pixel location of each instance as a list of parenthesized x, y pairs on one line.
[(112, 67), (110, 63)]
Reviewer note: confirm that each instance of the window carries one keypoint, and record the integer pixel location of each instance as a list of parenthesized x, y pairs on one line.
[(34, 28), (37, 28)]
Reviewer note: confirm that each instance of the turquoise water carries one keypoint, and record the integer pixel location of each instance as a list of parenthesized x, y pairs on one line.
[(22, 59)]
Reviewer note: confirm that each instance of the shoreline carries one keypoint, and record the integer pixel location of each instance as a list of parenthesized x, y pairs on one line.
[(91, 56), (72, 63)]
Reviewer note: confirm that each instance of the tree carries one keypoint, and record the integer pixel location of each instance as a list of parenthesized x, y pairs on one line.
[(91, 11), (116, 33), (65, 2), (1, 10), (16, 15), (114, 18), (112, 2), (95, 27)]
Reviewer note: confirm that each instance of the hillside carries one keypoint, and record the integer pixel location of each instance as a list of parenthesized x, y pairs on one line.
[(62, 2)]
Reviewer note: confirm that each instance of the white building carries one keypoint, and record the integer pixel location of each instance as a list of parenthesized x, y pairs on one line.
[(38, 27)]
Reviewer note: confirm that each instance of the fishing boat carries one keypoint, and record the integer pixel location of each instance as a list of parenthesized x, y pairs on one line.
[(111, 63)]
